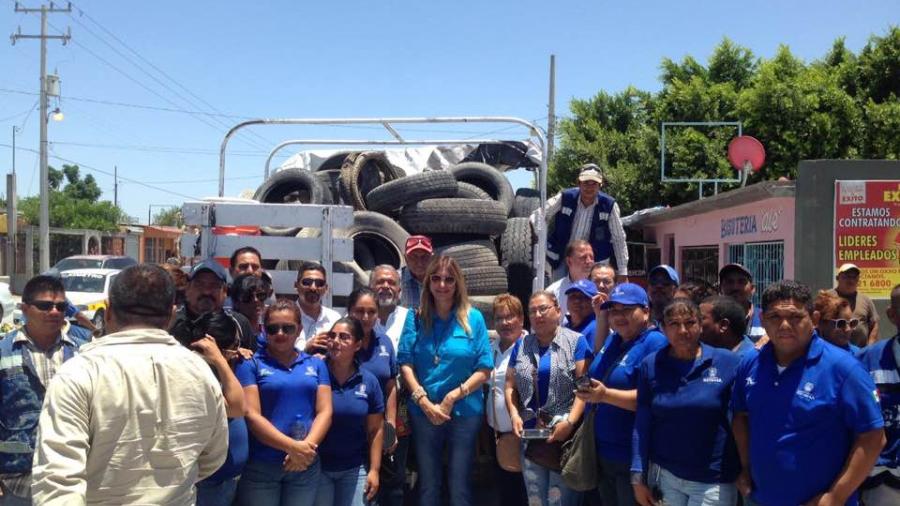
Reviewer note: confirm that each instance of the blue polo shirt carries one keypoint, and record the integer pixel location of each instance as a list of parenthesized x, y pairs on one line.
[(458, 355), (881, 360), (379, 359), (613, 426), (587, 328), (346, 444), (682, 421), (803, 420), (284, 393), (238, 451), (582, 352), (746, 346)]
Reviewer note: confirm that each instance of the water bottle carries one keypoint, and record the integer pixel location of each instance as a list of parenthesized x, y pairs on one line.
[(299, 429)]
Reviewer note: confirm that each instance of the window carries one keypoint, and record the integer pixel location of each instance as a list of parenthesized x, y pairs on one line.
[(701, 262), (765, 260)]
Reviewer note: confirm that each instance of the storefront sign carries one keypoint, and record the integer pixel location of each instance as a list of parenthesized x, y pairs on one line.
[(867, 232), (751, 224)]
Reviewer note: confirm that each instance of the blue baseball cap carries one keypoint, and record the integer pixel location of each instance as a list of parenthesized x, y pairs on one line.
[(588, 288), (671, 273), (628, 294), (209, 265)]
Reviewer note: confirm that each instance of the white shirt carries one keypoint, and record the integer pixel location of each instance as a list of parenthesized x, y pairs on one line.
[(559, 288), (581, 227), (498, 386), (312, 326), (135, 418), (393, 327)]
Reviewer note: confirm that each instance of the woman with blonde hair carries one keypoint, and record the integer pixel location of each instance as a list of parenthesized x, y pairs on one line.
[(445, 357)]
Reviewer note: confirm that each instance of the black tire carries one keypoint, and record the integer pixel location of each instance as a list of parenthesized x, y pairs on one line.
[(488, 179), (485, 280), (470, 191), (330, 180), (516, 257), (411, 189), (285, 185), (363, 172), (471, 255), (485, 304), (380, 235), (454, 216), (333, 162), (447, 240), (527, 200)]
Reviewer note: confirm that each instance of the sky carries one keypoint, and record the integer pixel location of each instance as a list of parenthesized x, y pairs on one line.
[(152, 87)]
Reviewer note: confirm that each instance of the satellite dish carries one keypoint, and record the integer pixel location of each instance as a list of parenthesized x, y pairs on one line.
[(746, 153)]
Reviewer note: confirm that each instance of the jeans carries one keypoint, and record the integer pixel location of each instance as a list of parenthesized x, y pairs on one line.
[(217, 494), (546, 487), (8, 499), (615, 483), (679, 492), (267, 484), (393, 474), (459, 436), (342, 488)]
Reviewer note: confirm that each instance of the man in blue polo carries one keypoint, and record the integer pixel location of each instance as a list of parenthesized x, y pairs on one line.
[(581, 317), (882, 360), (807, 422), (29, 358), (585, 212), (737, 282), (722, 324), (662, 281)]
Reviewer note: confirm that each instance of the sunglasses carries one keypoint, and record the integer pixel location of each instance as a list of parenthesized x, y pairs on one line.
[(843, 324), (274, 329), (47, 305), (343, 336), (436, 279), (307, 282), (256, 296)]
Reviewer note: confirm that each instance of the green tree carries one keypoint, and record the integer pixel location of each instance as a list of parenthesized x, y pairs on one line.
[(170, 217), (76, 205)]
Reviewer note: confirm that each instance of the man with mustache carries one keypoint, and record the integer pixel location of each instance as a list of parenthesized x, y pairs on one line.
[(736, 282), (205, 292), (385, 282), (315, 318)]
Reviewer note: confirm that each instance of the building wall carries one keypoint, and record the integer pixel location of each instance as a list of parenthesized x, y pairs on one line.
[(771, 219)]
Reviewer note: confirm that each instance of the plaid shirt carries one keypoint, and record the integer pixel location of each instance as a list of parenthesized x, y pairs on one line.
[(46, 363), (410, 289)]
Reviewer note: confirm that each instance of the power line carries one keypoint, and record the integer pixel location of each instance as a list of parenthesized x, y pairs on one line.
[(162, 149)]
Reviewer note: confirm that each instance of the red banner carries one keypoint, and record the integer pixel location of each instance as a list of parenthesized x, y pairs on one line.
[(867, 233)]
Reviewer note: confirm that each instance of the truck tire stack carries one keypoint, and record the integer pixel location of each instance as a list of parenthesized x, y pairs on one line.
[(470, 211)]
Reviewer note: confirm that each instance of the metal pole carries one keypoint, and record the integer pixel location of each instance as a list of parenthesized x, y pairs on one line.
[(44, 245), (11, 228), (551, 113), (116, 185)]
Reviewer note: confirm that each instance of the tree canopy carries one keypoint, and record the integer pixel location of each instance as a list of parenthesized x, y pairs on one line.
[(75, 205), (843, 105)]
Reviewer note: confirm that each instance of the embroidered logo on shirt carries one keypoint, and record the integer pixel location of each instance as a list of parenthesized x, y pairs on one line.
[(712, 376), (875, 396), (624, 360), (265, 372), (310, 371), (361, 391), (384, 352), (806, 392), (749, 382)]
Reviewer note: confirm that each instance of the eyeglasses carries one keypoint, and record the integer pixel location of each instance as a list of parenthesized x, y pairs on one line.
[(46, 305), (343, 336), (260, 295), (307, 282), (540, 310), (842, 323), (287, 329), (437, 278)]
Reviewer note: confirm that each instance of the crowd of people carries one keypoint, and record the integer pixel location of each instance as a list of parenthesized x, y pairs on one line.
[(207, 389)]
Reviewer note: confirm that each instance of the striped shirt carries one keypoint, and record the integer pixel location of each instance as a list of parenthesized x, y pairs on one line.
[(581, 228), (46, 363), (410, 289)]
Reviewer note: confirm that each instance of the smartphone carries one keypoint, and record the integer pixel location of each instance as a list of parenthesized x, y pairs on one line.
[(542, 433), (583, 384)]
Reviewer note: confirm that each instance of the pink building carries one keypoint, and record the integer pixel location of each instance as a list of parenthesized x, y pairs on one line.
[(753, 226)]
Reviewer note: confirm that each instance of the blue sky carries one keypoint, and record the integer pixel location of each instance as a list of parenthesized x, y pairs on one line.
[(353, 58)]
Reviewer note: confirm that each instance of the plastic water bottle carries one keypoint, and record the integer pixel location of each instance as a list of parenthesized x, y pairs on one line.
[(299, 429)]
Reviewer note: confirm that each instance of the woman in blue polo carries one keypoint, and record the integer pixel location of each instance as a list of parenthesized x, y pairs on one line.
[(288, 398), (351, 452), (682, 424), (614, 379), (445, 358)]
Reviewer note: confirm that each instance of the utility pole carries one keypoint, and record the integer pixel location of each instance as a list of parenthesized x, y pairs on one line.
[(116, 185), (45, 173), (551, 110), (11, 216)]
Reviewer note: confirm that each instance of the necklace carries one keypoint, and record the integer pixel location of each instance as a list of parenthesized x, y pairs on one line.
[(440, 344)]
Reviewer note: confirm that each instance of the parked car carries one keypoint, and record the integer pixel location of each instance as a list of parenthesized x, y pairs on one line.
[(94, 262), (88, 290)]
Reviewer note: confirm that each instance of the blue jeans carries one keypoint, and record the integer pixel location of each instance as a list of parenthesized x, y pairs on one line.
[(217, 494), (342, 488), (267, 484), (679, 492), (459, 436), (546, 487), (8, 499)]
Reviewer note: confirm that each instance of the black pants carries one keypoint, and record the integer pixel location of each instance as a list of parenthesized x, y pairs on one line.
[(510, 486)]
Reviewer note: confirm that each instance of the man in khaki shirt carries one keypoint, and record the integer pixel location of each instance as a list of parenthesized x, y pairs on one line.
[(866, 331), (136, 418)]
